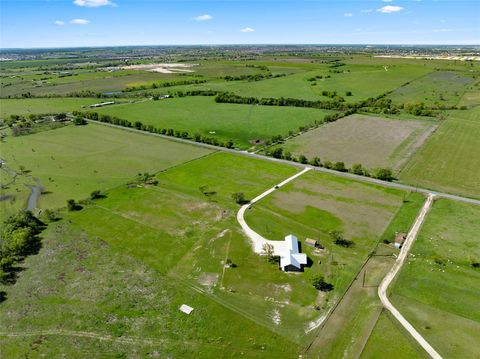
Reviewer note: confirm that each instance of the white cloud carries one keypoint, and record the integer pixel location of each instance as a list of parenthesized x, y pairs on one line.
[(387, 0), (389, 9), (59, 22), (366, 11), (204, 17), (93, 3), (247, 29), (79, 22), (348, 14)]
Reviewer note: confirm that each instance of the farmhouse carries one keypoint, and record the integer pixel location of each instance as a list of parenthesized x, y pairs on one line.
[(291, 260), (399, 239)]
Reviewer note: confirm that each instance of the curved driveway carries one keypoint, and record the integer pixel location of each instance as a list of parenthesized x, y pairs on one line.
[(257, 240)]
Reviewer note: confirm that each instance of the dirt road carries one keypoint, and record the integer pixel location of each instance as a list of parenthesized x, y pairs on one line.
[(382, 290)]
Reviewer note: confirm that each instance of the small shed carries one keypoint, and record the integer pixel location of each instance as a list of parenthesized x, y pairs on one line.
[(399, 239), (311, 242), (186, 309)]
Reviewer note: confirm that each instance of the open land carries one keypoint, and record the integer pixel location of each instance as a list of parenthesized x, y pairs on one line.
[(371, 141), (110, 276)]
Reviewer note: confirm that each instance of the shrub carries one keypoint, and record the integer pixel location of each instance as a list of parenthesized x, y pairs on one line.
[(319, 283)]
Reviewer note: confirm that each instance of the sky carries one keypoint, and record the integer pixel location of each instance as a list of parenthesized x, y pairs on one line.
[(74, 23)]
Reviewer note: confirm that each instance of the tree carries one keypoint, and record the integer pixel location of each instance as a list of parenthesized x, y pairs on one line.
[(239, 197), (339, 240), (339, 166), (73, 206), (268, 250), (357, 169), (277, 152), (384, 174), (96, 195), (287, 156), (79, 121), (319, 283), (50, 215), (316, 162), (303, 159)]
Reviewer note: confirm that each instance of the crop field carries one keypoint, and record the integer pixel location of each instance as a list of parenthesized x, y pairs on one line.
[(437, 88), (73, 161), (450, 159), (371, 141), (444, 252), (240, 123)]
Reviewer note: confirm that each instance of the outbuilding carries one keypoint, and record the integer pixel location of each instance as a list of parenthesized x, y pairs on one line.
[(311, 242), (399, 239)]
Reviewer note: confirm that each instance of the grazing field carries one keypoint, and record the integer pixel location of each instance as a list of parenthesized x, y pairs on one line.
[(362, 80), (440, 88), (79, 297), (42, 105), (444, 308), (370, 141), (200, 114), (390, 340), (73, 161), (450, 159)]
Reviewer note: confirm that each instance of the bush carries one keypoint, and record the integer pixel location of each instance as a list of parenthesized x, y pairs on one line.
[(73, 206), (239, 197), (339, 240), (384, 174)]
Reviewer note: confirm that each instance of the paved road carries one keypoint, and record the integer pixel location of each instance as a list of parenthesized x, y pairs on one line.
[(319, 169), (257, 240), (382, 289)]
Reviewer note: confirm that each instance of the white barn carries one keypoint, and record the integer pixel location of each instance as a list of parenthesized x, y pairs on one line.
[(290, 258)]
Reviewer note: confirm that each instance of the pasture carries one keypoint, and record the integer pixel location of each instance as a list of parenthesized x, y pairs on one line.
[(371, 141), (444, 308), (29, 106), (439, 88), (72, 161), (200, 114), (450, 159)]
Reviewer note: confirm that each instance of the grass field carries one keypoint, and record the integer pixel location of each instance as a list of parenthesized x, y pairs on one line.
[(42, 105), (240, 123), (73, 161), (436, 88), (450, 159), (362, 80), (444, 308), (371, 141)]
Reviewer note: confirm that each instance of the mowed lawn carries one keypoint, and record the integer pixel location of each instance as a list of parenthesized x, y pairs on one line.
[(436, 88), (450, 160), (371, 141), (314, 205), (71, 162), (438, 288), (200, 114)]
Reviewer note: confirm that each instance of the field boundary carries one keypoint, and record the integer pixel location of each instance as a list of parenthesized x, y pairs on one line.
[(371, 180)]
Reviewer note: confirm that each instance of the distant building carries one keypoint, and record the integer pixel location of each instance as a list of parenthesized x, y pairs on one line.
[(399, 239), (102, 104), (291, 260), (311, 242)]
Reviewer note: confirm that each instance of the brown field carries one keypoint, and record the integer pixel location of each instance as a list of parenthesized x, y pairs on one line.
[(371, 141)]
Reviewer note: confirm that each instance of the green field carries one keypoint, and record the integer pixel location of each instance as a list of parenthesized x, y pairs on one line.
[(362, 80), (371, 141), (450, 160), (444, 308), (439, 88), (42, 105), (200, 114), (73, 161)]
